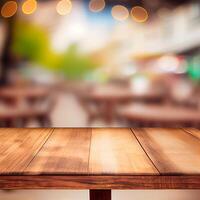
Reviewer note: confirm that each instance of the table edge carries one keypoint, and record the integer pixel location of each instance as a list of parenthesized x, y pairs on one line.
[(83, 182)]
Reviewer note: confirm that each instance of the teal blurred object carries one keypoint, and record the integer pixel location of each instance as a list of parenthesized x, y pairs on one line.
[(194, 68)]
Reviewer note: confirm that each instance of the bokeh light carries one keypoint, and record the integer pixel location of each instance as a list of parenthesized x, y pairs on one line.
[(139, 14), (64, 7), (97, 5), (120, 13), (9, 9), (29, 7)]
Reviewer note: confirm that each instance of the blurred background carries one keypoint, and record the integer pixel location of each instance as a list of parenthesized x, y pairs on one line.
[(96, 63)]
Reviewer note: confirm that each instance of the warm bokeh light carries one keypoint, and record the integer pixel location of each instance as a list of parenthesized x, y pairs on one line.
[(29, 7), (120, 13), (139, 14), (64, 7), (97, 5), (9, 9)]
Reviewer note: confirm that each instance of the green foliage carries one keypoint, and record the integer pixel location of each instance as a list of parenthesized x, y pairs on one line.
[(74, 65), (31, 42)]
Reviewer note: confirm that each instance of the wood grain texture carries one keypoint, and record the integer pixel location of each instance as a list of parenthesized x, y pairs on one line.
[(66, 152), (173, 151), (193, 131), (99, 159), (116, 151), (99, 182), (18, 147)]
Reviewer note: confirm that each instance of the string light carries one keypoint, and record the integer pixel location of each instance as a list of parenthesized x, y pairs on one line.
[(120, 13), (139, 14), (64, 7), (29, 7), (9, 9), (97, 5)]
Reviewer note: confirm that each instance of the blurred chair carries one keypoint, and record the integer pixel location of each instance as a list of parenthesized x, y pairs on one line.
[(93, 109), (184, 93)]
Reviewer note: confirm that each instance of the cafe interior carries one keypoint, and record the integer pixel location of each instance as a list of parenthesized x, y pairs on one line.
[(100, 63)]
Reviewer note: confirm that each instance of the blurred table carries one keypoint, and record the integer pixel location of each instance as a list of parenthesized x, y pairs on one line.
[(160, 115), (24, 103), (23, 93), (109, 93), (110, 96)]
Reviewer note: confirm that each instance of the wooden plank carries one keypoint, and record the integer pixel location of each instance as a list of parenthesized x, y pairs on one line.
[(99, 182), (116, 151), (195, 132), (173, 151), (66, 151), (19, 146)]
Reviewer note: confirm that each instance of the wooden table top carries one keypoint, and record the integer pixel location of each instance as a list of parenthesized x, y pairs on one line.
[(105, 158)]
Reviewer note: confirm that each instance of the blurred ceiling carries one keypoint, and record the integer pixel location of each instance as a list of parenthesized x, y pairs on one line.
[(141, 2), (151, 5), (148, 3)]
